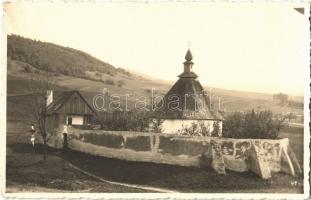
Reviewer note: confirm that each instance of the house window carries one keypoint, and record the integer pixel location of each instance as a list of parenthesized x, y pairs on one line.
[(69, 120), (87, 120)]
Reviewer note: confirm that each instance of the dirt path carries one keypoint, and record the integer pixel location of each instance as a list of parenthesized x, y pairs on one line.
[(153, 189), (27, 172)]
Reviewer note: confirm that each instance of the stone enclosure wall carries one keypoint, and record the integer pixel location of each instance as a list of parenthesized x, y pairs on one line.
[(258, 155)]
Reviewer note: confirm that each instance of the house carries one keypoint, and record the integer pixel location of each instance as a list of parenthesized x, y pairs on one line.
[(68, 108), (187, 103)]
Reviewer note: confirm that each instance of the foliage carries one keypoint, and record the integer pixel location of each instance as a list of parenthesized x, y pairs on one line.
[(98, 74), (216, 129), (156, 125), (290, 116), (54, 58), (125, 121), (120, 83), (196, 129), (109, 82), (282, 98), (295, 104), (38, 86), (27, 69), (252, 124)]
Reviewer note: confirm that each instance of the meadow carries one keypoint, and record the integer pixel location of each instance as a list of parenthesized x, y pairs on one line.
[(26, 172)]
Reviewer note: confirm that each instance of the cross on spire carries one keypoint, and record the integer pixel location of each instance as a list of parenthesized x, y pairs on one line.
[(189, 45)]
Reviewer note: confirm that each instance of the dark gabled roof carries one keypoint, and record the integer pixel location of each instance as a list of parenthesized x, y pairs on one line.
[(61, 99)]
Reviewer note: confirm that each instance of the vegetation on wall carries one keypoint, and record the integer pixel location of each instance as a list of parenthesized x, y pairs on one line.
[(252, 124)]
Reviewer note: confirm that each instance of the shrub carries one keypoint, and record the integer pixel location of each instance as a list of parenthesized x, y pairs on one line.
[(196, 129), (156, 125), (216, 129), (109, 82), (27, 69), (252, 124), (120, 83), (125, 121)]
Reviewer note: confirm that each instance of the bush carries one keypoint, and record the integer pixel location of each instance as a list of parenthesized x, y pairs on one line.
[(125, 121), (216, 129), (156, 125), (252, 124), (120, 83), (27, 69), (109, 82), (196, 129)]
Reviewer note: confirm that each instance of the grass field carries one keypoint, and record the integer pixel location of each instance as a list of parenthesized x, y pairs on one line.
[(26, 170)]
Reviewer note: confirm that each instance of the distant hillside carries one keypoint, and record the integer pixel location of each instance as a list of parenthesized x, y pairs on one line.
[(57, 59), (73, 69)]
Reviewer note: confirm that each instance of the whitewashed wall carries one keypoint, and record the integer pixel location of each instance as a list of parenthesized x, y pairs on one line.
[(262, 156), (76, 119)]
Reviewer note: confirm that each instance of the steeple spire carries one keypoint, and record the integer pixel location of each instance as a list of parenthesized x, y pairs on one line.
[(188, 56), (188, 67)]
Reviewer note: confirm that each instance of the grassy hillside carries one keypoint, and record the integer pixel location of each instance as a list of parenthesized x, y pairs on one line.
[(72, 69), (57, 59)]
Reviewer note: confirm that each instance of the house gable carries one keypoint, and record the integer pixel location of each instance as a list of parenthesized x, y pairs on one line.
[(75, 105)]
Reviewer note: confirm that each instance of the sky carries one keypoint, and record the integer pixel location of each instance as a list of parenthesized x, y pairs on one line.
[(259, 47)]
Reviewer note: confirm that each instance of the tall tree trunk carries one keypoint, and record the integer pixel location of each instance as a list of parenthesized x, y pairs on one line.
[(44, 148)]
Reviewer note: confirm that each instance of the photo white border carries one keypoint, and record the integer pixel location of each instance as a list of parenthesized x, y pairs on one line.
[(306, 166)]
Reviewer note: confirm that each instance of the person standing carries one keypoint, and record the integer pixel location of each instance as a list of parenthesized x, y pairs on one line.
[(33, 138)]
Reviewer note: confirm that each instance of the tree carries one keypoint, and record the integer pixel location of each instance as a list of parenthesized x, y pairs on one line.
[(282, 98), (39, 85), (109, 82), (290, 116), (156, 125), (252, 124), (120, 83)]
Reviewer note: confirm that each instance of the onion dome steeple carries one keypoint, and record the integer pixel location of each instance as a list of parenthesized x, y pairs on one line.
[(193, 102), (188, 67), (188, 56)]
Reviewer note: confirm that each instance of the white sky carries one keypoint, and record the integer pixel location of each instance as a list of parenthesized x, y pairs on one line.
[(252, 47)]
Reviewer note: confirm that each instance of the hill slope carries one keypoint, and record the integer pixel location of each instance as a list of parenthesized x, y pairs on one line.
[(54, 58), (73, 69)]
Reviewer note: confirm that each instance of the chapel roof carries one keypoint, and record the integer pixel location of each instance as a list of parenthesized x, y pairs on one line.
[(193, 100)]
